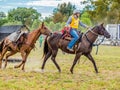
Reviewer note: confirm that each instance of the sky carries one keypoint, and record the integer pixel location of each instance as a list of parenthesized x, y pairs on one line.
[(45, 7)]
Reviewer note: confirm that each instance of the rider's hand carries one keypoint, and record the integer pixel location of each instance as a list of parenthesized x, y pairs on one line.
[(67, 26), (87, 27)]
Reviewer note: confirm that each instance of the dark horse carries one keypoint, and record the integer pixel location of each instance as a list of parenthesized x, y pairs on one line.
[(27, 45), (54, 42)]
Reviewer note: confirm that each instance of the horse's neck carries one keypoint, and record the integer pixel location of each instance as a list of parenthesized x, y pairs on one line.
[(91, 36), (33, 36), (38, 33)]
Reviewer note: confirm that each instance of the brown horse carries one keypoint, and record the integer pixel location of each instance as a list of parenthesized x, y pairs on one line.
[(24, 48), (54, 42)]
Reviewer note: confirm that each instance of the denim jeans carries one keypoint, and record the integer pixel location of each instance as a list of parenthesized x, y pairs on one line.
[(75, 37)]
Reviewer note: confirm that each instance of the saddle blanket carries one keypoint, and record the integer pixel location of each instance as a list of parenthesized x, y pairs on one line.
[(13, 36)]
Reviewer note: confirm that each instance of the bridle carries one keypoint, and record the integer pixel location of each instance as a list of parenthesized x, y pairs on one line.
[(96, 34), (91, 43)]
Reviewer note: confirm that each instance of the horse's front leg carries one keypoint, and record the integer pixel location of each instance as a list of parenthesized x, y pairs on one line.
[(89, 56), (75, 61), (54, 53)]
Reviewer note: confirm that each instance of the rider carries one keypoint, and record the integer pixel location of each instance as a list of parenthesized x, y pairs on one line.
[(73, 22), (13, 37)]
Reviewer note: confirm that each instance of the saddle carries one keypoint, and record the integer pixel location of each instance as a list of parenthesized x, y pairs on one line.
[(21, 40), (66, 34)]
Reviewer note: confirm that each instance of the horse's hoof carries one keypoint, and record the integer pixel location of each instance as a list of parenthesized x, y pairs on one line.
[(59, 71), (42, 70), (15, 66), (97, 72), (71, 71), (4, 67), (23, 70)]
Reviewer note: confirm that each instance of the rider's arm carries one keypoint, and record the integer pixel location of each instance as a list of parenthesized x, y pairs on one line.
[(69, 21), (83, 25)]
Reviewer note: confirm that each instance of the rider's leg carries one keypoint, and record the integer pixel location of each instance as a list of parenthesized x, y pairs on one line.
[(75, 36)]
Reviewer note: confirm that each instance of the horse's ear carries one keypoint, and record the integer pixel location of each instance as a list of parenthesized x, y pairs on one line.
[(102, 24), (42, 25)]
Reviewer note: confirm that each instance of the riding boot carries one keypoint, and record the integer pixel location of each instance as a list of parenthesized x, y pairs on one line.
[(17, 45), (14, 46)]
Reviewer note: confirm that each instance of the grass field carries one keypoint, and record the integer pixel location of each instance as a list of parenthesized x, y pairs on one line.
[(84, 77)]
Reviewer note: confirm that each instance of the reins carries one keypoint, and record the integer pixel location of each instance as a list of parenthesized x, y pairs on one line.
[(91, 43)]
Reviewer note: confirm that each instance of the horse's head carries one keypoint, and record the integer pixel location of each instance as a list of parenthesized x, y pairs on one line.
[(45, 30), (102, 31)]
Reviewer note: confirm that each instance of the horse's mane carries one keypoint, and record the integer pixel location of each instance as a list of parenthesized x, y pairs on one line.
[(91, 29), (57, 35)]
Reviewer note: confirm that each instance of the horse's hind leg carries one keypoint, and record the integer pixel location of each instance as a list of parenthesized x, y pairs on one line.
[(24, 57), (46, 58), (8, 55), (75, 61), (2, 55), (1, 61), (24, 60), (89, 56), (54, 53)]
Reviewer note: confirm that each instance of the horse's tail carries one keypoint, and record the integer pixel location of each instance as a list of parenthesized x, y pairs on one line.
[(45, 49), (1, 46)]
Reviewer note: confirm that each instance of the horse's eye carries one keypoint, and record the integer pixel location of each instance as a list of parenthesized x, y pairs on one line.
[(44, 27), (103, 29)]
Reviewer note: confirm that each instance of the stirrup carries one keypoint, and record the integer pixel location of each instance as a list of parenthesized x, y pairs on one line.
[(70, 49)]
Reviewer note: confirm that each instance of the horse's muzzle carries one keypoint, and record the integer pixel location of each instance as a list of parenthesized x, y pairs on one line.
[(51, 34), (108, 36)]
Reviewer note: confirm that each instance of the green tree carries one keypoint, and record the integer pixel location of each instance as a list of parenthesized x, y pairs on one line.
[(113, 15), (3, 21), (52, 26), (66, 9), (85, 18), (3, 18), (63, 11), (55, 26), (107, 11), (48, 19), (25, 15), (57, 17), (36, 24), (2, 15)]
